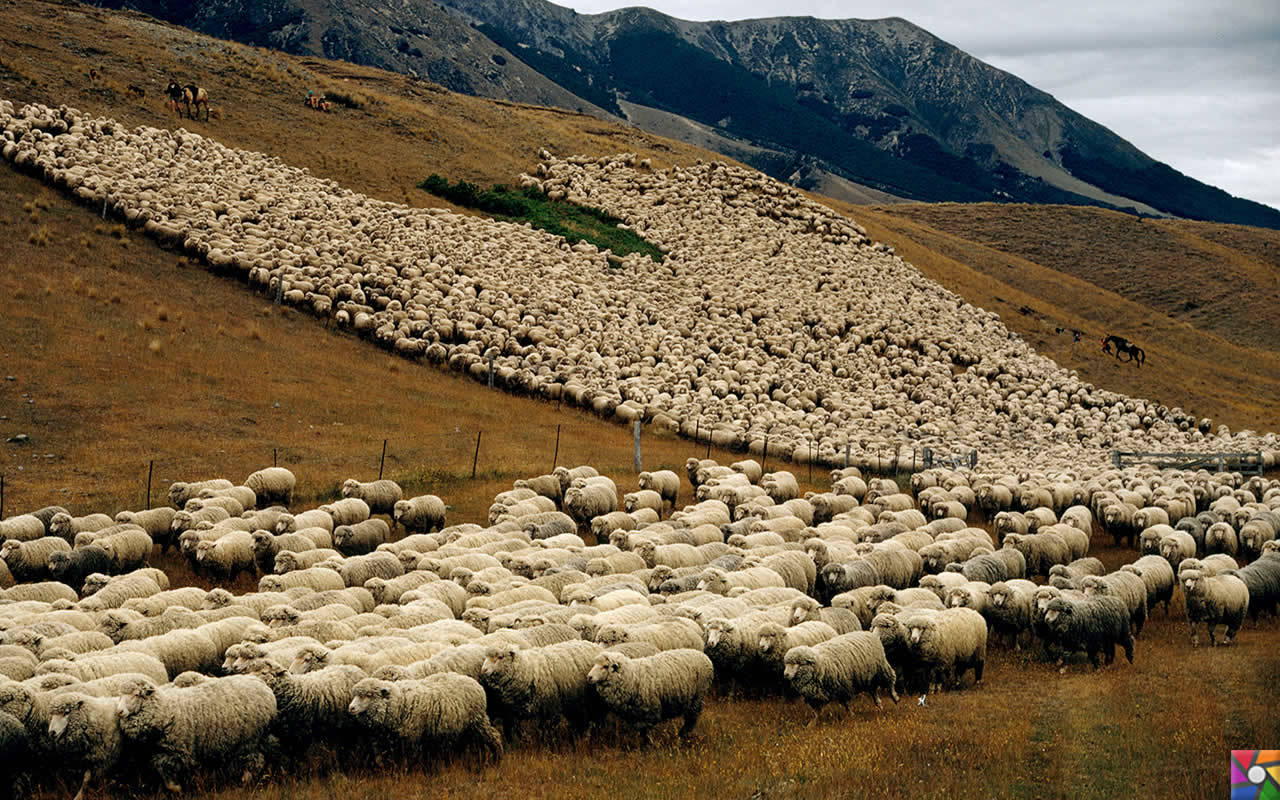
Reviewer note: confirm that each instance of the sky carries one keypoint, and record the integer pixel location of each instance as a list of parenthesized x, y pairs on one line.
[(1193, 84)]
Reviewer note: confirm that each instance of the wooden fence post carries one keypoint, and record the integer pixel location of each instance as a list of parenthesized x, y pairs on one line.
[(1, 496), (150, 466), (383, 459), (556, 458), (476, 458), (636, 457)]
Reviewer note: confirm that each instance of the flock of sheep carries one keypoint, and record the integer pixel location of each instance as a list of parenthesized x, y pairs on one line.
[(386, 630), (772, 322)]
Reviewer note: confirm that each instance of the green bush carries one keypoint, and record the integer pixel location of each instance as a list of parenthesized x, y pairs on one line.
[(573, 222)]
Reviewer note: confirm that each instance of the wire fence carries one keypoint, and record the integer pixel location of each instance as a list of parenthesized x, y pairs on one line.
[(448, 462)]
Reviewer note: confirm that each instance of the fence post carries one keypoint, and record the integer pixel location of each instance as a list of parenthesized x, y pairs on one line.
[(636, 457), (492, 358), (105, 197), (150, 466), (383, 459), (697, 425), (273, 457), (476, 458), (810, 461), (846, 453), (927, 458), (555, 459), (764, 456), (1, 496), (279, 291)]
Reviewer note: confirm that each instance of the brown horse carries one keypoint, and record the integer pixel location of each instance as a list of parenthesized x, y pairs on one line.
[(1123, 345), (197, 96), (188, 95)]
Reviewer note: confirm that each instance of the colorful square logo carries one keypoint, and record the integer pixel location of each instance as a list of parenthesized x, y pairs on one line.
[(1255, 775)]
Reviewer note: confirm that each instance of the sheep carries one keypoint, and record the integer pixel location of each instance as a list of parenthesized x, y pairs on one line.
[(29, 561), (1010, 608), (347, 511), (426, 715), (310, 706), (665, 482), (67, 527), (838, 669), (84, 732), (315, 578), (128, 549), (1177, 546), (271, 485), (972, 594), (23, 528), (179, 650), (1221, 538), (1128, 587), (776, 640), (717, 581), (644, 692), (356, 570), (947, 643), (1071, 574), (227, 556), (1157, 576), (293, 560), (421, 514), (587, 502), (667, 633), (1094, 624), (645, 498), (361, 538), (1214, 600), (1262, 578), (1041, 550), (805, 609), (381, 495), (208, 723), (73, 566), (116, 591), (543, 683), (180, 492)]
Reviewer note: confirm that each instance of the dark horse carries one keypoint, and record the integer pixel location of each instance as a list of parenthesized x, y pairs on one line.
[(1123, 345)]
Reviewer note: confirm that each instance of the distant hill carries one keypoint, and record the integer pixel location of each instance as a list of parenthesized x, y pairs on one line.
[(831, 105)]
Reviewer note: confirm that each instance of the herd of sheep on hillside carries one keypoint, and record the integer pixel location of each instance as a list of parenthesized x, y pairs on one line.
[(385, 630), (772, 321)]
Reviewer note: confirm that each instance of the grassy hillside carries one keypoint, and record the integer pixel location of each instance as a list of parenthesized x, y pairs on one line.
[(122, 353)]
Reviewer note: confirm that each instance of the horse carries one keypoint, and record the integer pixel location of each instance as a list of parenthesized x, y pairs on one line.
[(195, 95), (1123, 345)]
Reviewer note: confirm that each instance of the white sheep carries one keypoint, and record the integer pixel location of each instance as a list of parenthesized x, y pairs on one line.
[(1214, 600), (542, 683), (218, 720), (420, 514), (643, 692), (84, 732), (381, 495), (426, 715), (272, 485), (665, 482), (837, 670), (947, 643)]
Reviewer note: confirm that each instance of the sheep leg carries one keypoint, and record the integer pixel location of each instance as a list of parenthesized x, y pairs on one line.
[(84, 784), (1128, 649), (691, 718)]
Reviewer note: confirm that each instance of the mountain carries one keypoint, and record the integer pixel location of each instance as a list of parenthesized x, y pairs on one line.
[(414, 37), (862, 109)]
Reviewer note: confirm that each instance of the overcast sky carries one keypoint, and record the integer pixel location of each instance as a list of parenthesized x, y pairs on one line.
[(1195, 84)]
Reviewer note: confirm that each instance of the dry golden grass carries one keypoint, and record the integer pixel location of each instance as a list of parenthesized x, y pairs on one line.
[(125, 357)]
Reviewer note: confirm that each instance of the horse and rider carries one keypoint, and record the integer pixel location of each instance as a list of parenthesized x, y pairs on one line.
[(188, 95), (1123, 345)]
